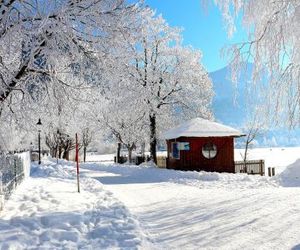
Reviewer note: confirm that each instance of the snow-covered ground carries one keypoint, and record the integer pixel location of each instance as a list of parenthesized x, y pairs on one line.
[(140, 207), (47, 212)]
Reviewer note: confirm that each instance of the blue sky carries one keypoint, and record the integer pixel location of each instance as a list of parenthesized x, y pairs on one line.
[(204, 30)]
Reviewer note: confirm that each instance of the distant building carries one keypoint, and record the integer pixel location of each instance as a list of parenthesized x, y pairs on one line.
[(200, 144)]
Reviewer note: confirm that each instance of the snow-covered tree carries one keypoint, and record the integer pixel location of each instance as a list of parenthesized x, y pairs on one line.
[(18, 125), (53, 49), (63, 118), (103, 59), (86, 140), (121, 116), (54, 41), (168, 78), (273, 45)]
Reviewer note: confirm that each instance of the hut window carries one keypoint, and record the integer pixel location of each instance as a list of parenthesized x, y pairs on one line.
[(209, 150), (175, 150)]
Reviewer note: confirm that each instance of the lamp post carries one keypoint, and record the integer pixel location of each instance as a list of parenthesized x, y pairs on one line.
[(58, 145), (39, 124)]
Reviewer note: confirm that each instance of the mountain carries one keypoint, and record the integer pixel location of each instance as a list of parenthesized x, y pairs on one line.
[(229, 103), (230, 106)]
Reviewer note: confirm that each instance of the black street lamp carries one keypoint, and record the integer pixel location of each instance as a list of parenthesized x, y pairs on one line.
[(39, 124), (58, 145)]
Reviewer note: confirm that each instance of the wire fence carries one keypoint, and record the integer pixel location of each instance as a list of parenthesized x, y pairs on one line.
[(13, 169)]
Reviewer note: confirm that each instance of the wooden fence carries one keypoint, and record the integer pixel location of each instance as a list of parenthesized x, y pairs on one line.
[(250, 167)]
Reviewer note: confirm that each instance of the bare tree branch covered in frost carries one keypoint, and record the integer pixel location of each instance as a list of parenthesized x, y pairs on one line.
[(253, 127), (273, 44)]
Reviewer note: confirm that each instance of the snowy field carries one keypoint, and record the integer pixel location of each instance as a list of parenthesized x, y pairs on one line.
[(278, 158), (140, 207), (92, 157)]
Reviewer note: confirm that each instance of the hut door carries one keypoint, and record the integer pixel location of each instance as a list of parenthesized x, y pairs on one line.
[(184, 154)]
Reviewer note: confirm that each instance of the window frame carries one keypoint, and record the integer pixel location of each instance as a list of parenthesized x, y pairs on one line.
[(214, 146)]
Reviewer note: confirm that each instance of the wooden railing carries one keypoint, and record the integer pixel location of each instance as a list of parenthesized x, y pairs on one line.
[(250, 167)]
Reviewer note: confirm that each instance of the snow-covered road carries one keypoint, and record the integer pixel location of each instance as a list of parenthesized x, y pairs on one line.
[(185, 210)]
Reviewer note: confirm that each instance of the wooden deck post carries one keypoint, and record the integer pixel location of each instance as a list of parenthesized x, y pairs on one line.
[(262, 167)]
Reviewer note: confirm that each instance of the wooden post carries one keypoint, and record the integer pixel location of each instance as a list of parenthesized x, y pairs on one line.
[(262, 167), (77, 163), (273, 171), (245, 170)]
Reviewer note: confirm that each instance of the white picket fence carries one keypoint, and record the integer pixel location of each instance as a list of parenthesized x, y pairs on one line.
[(14, 168)]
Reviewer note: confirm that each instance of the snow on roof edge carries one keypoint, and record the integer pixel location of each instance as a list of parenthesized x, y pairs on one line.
[(199, 127)]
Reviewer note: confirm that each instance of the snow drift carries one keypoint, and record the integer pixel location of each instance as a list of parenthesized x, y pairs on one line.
[(290, 177)]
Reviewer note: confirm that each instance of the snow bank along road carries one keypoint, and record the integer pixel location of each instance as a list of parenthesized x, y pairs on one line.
[(129, 207), (190, 210)]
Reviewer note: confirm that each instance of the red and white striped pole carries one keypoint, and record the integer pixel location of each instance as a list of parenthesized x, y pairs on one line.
[(77, 163)]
